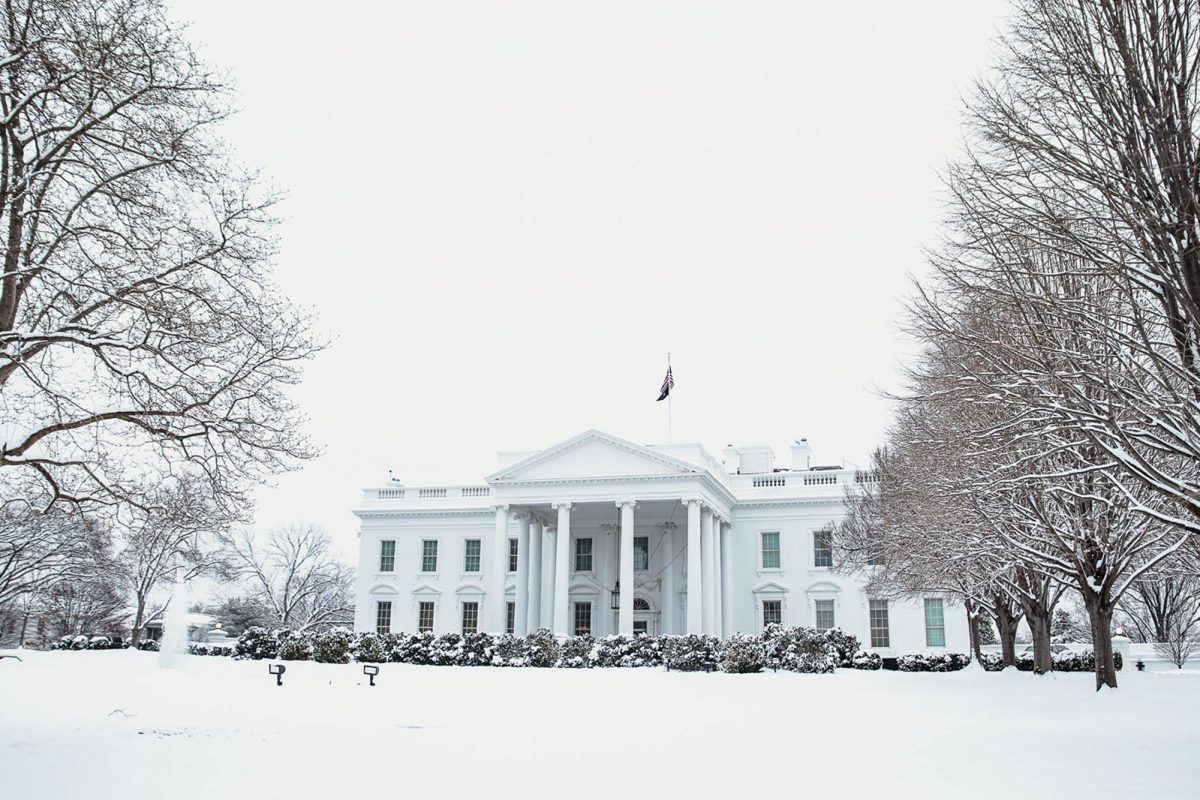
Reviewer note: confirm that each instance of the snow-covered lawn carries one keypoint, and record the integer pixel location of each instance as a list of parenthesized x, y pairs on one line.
[(113, 724)]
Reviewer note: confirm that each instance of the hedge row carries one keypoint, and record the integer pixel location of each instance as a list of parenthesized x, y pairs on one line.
[(1064, 661), (792, 649)]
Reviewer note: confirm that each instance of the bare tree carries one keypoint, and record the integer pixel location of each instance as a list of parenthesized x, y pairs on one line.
[(295, 576), (139, 325), (39, 550)]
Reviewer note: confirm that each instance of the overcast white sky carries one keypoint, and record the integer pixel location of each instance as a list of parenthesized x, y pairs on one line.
[(508, 213)]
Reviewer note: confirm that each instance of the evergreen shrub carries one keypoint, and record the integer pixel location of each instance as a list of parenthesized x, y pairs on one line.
[(743, 653), (332, 646), (691, 652), (256, 643)]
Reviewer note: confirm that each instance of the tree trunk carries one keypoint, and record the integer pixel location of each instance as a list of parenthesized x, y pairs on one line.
[(24, 626), (1039, 625), (135, 636), (1100, 614), (973, 630), (1006, 625)]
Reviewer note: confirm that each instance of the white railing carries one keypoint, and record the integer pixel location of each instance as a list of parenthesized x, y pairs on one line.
[(820, 480), (429, 493), (769, 480), (389, 494)]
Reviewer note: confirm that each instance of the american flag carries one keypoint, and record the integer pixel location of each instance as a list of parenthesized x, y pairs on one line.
[(668, 382)]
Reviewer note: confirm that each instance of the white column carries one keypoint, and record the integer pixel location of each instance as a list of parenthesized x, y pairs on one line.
[(494, 619), (626, 611), (533, 614), (548, 595), (695, 594), (520, 615), (727, 579), (706, 561), (562, 573), (667, 613), (718, 577)]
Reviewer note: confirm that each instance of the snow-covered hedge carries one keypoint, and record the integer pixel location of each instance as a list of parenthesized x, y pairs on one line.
[(798, 649), (932, 662), (256, 643), (866, 660), (575, 653), (149, 644), (616, 650), (1067, 661), (845, 646), (370, 647), (743, 653), (294, 645), (542, 648), (332, 646), (210, 649), (692, 652)]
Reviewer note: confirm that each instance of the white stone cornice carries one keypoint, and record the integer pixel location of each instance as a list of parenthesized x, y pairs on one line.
[(427, 512)]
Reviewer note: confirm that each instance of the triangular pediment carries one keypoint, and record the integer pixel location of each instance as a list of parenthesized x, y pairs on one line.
[(594, 454)]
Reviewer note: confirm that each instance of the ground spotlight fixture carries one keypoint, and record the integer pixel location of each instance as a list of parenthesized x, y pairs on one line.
[(370, 670), (277, 670)]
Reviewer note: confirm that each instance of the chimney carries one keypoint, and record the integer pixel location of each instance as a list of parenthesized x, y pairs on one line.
[(800, 454)]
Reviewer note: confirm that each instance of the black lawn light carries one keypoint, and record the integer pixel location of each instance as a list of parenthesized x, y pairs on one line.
[(1141, 665), (277, 670), (370, 670)]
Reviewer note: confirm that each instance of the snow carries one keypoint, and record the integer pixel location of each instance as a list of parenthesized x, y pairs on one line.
[(111, 724)]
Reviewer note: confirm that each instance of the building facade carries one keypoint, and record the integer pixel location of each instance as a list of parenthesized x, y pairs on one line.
[(599, 535)]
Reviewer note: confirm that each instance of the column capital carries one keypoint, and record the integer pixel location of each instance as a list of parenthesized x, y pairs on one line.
[(500, 507), (623, 503), (690, 501), (668, 526), (557, 506)]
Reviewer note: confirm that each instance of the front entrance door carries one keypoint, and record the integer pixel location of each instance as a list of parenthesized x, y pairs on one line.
[(641, 626)]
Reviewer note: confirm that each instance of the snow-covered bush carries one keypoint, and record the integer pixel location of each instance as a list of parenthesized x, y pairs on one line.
[(370, 647), (446, 650), (743, 653), (510, 651), (332, 646), (99, 643), (477, 649), (210, 649), (576, 652), (866, 660), (294, 645), (542, 648), (616, 650), (994, 662), (932, 662), (845, 646), (798, 649), (1067, 661), (151, 645), (256, 643), (411, 648), (692, 652)]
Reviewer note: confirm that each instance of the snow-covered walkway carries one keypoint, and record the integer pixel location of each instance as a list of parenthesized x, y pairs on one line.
[(113, 724)]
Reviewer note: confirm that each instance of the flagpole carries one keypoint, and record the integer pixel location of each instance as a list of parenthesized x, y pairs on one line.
[(670, 431)]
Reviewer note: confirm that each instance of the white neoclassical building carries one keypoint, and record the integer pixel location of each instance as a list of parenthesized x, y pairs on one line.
[(599, 535)]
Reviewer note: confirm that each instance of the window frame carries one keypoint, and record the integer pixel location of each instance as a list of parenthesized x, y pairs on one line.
[(387, 555), (645, 551), (510, 617), (830, 606), (591, 554), (820, 554), (876, 609), (576, 607), (429, 556), (762, 551), (777, 605), (514, 555), (422, 607), (477, 555), (940, 605), (383, 626), (469, 606)]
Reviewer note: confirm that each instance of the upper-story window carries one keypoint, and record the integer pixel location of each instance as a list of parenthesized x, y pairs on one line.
[(641, 553), (770, 550), (583, 555), (471, 555), (935, 622), (512, 555), (387, 555), (822, 548), (429, 549)]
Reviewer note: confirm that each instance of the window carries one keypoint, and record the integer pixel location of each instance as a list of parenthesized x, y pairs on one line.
[(424, 617), (641, 553), (383, 616), (583, 555), (874, 552), (772, 612), (512, 555), (471, 555), (640, 604), (583, 619), (822, 548), (429, 555), (824, 615), (387, 555), (470, 618), (770, 551), (935, 622), (880, 636), (510, 620)]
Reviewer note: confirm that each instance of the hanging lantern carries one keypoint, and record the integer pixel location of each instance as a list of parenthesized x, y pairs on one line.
[(616, 597)]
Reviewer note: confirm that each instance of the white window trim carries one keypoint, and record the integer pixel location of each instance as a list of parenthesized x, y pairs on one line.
[(812, 550), (474, 573), (758, 556)]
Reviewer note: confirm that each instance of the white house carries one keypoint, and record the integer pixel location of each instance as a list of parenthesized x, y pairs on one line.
[(599, 535)]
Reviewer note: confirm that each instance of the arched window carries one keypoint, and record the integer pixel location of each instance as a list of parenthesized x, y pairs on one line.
[(640, 604)]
